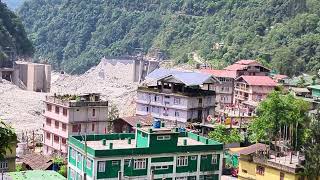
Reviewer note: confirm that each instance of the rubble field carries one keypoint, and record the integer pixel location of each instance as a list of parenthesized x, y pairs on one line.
[(22, 109)]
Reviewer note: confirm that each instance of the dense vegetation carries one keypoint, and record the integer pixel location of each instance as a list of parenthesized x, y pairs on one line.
[(12, 34), (74, 35)]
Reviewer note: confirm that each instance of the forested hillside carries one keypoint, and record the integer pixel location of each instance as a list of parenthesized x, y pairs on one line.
[(12, 34), (75, 34)]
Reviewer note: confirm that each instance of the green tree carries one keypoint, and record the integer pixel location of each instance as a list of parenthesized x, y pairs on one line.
[(7, 138), (312, 149), (224, 135), (280, 116)]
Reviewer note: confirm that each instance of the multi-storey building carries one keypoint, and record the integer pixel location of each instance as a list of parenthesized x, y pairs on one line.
[(71, 115), (248, 68), (150, 153), (249, 90), (178, 97), (224, 90)]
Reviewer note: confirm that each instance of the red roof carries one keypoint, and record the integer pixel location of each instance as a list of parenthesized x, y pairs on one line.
[(220, 73), (246, 62), (253, 148), (258, 80), (235, 67), (134, 120)]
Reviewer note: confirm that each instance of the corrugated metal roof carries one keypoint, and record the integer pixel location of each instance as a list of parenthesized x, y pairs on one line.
[(160, 73), (314, 87), (188, 78)]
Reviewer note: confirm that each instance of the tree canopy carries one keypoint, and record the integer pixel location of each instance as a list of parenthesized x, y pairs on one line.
[(12, 34), (224, 135), (280, 115), (74, 35), (7, 137)]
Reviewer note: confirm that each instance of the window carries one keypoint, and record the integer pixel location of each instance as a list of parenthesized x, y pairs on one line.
[(139, 163), (88, 163), (126, 161), (161, 167), (79, 158), (115, 163), (181, 178), (176, 101), (48, 135), (176, 114), (64, 127), (281, 176), (3, 164), (49, 107), (73, 153), (93, 112), (182, 161), (56, 124), (56, 138), (76, 128), (63, 141), (165, 137), (65, 112), (48, 122), (193, 157), (72, 174), (101, 166), (204, 157), (92, 127), (57, 109), (260, 170), (214, 159)]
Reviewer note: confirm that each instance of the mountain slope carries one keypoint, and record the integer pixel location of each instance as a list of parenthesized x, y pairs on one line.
[(12, 34), (74, 35)]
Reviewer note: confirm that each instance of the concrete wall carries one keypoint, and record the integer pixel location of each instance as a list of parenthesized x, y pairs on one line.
[(126, 68), (36, 77)]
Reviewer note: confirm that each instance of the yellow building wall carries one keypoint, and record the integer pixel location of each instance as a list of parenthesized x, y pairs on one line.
[(11, 157), (269, 173)]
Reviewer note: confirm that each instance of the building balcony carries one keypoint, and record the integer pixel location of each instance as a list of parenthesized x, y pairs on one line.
[(57, 131), (187, 92), (240, 97), (238, 88), (74, 103)]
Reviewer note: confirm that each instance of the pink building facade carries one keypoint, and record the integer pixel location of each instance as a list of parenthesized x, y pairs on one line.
[(71, 117), (249, 90)]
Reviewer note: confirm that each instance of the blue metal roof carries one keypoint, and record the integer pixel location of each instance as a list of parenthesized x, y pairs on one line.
[(188, 78), (192, 78), (160, 73)]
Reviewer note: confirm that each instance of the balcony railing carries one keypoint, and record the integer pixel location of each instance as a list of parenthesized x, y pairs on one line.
[(280, 166), (73, 103), (186, 92)]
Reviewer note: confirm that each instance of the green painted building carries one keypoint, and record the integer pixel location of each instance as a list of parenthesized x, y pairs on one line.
[(315, 89), (150, 153)]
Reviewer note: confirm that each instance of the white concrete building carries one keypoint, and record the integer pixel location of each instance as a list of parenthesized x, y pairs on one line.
[(177, 96)]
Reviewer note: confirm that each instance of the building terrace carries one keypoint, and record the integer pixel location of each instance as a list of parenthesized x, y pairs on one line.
[(120, 144), (91, 99)]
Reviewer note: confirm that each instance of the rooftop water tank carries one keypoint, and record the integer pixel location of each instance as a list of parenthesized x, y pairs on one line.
[(156, 123)]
